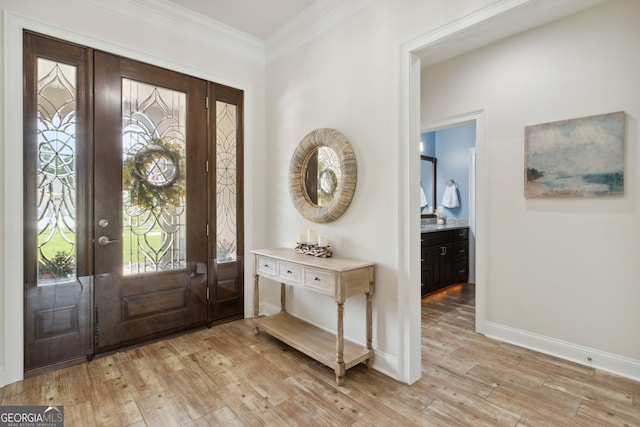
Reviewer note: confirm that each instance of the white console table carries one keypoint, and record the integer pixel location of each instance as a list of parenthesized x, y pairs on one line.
[(335, 277)]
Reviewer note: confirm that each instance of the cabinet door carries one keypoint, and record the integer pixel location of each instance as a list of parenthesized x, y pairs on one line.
[(424, 280), (460, 272), (446, 265), (426, 274), (438, 272), (460, 262)]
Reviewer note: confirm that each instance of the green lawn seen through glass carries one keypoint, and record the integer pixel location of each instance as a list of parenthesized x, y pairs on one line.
[(58, 244)]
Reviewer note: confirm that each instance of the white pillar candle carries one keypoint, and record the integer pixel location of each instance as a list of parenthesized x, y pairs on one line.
[(312, 236), (301, 238), (323, 241)]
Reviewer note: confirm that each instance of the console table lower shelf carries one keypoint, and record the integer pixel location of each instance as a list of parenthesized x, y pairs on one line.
[(311, 340)]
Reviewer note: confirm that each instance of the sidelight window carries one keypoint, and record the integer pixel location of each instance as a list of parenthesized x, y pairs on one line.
[(56, 171), (226, 181)]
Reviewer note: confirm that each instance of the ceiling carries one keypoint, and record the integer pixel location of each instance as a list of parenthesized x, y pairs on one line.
[(531, 14), (267, 20), (262, 30), (258, 18)]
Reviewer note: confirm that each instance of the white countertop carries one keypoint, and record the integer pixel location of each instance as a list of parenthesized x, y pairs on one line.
[(451, 224)]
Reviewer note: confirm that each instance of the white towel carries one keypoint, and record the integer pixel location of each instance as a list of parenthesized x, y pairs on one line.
[(423, 198), (450, 197)]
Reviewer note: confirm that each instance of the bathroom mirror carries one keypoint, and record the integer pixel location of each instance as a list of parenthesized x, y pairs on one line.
[(322, 175), (428, 186)]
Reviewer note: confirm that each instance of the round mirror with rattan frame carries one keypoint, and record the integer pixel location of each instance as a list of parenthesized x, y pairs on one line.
[(331, 138)]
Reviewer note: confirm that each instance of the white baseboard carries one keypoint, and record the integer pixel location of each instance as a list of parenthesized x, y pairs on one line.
[(608, 362), (2, 384), (268, 309), (386, 364)]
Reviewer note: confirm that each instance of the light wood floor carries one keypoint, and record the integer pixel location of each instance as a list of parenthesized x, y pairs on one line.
[(227, 376)]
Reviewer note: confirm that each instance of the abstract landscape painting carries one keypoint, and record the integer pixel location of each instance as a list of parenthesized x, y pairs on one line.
[(575, 158)]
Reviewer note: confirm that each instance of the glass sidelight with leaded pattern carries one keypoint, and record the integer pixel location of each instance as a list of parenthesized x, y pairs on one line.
[(226, 210), (56, 171), (226, 182)]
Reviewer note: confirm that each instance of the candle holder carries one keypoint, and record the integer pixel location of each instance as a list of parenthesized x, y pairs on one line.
[(313, 250)]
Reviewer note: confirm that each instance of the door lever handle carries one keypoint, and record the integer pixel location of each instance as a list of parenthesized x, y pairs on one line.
[(104, 240)]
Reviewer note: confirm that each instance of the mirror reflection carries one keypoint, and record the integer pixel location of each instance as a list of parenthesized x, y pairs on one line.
[(427, 185), (322, 176)]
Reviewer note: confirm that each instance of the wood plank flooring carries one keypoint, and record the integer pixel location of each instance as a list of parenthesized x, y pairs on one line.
[(227, 376)]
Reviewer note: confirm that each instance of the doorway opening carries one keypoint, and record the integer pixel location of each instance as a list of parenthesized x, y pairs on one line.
[(452, 142)]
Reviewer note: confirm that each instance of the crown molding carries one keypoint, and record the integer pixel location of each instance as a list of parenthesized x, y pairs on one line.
[(196, 28), (310, 23), (490, 23), (186, 24)]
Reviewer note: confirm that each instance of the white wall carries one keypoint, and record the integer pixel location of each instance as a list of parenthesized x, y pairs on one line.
[(562, 274), (80, 22), (347, 79)]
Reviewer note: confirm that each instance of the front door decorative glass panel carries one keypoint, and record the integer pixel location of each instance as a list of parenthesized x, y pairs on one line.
[(227, 259), (226, 179), (56, 170), (154, 178)]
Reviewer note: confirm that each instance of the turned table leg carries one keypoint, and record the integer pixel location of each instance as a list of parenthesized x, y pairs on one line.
[(283, 298), (369, 327), (256, 304), (340, 367)]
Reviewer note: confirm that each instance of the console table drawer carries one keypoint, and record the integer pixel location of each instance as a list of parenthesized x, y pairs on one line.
[(289, 271), (319, 280), (267, 265)]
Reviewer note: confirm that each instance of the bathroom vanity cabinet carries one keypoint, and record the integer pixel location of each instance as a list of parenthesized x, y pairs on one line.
[(444, 258)]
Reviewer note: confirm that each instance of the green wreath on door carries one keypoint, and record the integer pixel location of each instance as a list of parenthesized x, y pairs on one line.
[(155, 176)]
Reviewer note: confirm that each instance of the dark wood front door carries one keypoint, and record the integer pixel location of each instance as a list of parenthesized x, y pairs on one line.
[(133, 202), (150, 214)]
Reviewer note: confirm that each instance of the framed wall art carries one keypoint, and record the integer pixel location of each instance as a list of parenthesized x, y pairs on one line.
[(581, 157)]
